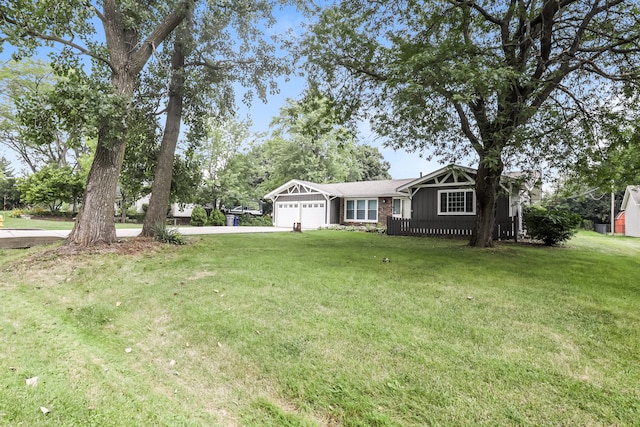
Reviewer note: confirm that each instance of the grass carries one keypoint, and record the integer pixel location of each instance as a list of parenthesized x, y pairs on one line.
[(47, 224), (313, 329)]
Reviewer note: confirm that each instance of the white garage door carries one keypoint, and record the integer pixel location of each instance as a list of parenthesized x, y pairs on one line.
[(310, 214), (287, 213)]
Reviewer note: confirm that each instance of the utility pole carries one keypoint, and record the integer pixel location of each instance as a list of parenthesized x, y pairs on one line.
[(613, 219)]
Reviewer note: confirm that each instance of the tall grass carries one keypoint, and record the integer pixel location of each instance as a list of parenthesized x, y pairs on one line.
[(307, 329)]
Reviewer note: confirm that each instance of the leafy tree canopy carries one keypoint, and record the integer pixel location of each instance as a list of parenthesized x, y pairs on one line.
[(494, 79), (52, 186)]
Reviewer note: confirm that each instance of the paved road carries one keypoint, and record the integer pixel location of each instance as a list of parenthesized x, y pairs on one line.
[(21, 238)]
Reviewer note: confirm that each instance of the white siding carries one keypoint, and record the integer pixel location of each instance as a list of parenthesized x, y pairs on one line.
[(632, 220)]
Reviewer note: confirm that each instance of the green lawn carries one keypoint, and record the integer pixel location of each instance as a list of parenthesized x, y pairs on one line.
[(47, 224), (313, 329)]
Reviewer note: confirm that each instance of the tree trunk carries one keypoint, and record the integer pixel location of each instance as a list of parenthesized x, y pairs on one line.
[(95, 221), (161, 187), (487, 186), (123, 209)]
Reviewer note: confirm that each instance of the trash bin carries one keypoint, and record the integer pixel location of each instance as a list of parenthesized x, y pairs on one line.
[(236, 221), (230, 220)]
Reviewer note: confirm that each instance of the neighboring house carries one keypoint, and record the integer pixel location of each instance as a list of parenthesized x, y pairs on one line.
[(440, 203), (177, 210), (349, 203), (619, 223), (631, 208)]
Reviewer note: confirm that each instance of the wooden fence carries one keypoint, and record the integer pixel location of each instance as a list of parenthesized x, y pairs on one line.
[(449, 227)]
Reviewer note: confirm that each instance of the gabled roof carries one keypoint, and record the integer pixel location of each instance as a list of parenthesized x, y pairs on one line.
[(456, 175), (450, 173), (631, 194), (381, 188)]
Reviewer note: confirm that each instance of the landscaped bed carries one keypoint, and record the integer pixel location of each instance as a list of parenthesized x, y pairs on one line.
[(313, 328)]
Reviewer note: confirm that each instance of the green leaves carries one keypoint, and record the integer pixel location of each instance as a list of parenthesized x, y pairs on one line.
[(52, 186)]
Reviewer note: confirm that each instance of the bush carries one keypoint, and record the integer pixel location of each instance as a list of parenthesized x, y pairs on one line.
[(168, 235), (16, 213), (550, 226), (217, 218), (255, 221), (198, 216)]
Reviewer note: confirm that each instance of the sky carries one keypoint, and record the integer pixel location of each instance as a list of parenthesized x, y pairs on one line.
[(403, 164)]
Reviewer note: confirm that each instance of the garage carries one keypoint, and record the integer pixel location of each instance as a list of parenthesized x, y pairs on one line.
[(310, 213)]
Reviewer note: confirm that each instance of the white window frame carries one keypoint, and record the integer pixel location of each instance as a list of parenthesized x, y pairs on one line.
[(355, 210), (393, 208), (457, 190)]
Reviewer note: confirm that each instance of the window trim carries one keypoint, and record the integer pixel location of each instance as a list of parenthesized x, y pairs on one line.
[(354, 211), (400, 203), (457, 190)]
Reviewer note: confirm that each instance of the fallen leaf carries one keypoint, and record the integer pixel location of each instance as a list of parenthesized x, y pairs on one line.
[(469, 297), (216, 291), (127, 350), (187, 344), (172, 362), (33, 381), (44, 410), (219, 344), (118, 304)]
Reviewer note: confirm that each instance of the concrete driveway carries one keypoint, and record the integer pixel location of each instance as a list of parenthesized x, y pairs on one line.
[(25, 238)]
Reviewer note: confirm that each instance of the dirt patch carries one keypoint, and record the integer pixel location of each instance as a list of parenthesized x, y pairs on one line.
[(57, 256)]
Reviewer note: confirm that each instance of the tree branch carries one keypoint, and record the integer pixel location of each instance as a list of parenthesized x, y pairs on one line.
[(157, 36), (472, 4), (466, 128), (55, 39)]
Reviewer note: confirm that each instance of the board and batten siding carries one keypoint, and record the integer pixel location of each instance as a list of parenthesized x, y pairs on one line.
[(301, 198), (424, 205)]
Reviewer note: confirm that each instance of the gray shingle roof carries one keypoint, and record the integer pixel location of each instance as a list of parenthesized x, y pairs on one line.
[(382, 188), (631, 194)]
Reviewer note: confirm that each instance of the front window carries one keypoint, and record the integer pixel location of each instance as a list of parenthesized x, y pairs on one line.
[(361, 210), (397, 207), (456, 202)]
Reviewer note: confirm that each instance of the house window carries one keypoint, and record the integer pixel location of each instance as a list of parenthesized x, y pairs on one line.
[(456, 202), (361, 210), (397, 207)]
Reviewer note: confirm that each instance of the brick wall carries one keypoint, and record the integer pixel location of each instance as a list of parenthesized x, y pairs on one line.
[(385, 209)]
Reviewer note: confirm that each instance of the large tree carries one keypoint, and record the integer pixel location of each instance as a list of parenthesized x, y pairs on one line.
[(9, 194), (133, 30), (222, 45), (31, 123), (308, 141), (492, 78)]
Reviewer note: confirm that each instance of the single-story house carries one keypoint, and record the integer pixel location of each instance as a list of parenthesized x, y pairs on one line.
[(443, 200), (353, 203), (631, 207), (177, 210)]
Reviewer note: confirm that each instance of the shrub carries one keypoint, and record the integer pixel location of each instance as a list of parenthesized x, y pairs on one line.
[(217, 218), (16, 213), (255, 221), (550, 226), (168, 235), (198, 216), (378, 229)]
